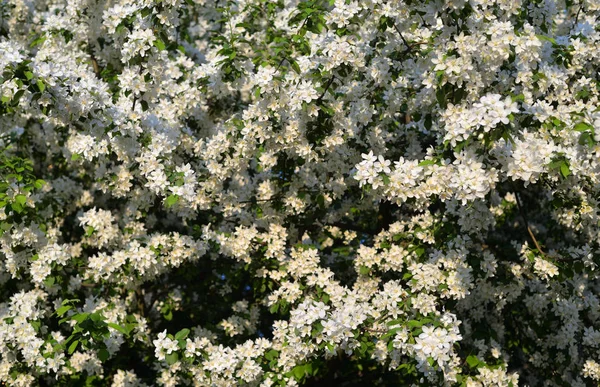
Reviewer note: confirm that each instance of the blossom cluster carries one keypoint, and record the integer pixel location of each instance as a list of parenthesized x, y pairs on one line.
[(227, 192)]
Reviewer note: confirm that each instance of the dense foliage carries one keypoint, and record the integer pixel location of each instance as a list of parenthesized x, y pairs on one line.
[(319, 192)]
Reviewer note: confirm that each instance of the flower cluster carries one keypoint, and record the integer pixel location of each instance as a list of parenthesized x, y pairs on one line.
[(262, 193)]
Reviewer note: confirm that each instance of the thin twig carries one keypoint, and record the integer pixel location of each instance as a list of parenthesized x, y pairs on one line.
[(326, 88), (408, 47), (140, 302), (577, 15), (280, 63), (524, 216)]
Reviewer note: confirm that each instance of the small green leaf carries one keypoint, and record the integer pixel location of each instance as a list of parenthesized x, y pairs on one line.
[(295, 66), (18, 95), (159, 44), (440, 96), (582, 127), (75, 157), (298, 371), (103, 355), (182, 334), (79, 317), (73, 347), (89, 230), (21, 199), (272, 354), (16, 207), (172, 358), (426, 162), (518, 98), (40, 84), (564, 170), (586, 139), (36, 325), (472, 361), (546, 38), (63, 309), (172, 200), (321, 201), (118, 328)]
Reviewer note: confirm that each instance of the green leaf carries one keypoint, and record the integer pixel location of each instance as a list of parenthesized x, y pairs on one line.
[(564, 170), (420, 251), (582, 127), (440, 96), (298, 372), (321, 201), (16, 207), (63, 309), (546, 38), (73, 347), (518, 98), (172, 358), (103, 355), (21, 199), (364, 270), (272, 354), (159, 44), (295, 66), (172, 200), (586, 139), (18, 95), (182, 334), (118, 328), (80, 317), (40, 84), (472, 361), (36, 325), (96, 317), (28, 74), (89, 230), (75, 157), (426, 162), (39, 183)]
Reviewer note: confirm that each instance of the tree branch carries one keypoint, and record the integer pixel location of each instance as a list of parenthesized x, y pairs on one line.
[(524, 216)]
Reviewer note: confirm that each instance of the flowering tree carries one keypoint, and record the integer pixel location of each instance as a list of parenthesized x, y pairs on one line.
[(333, 192)]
